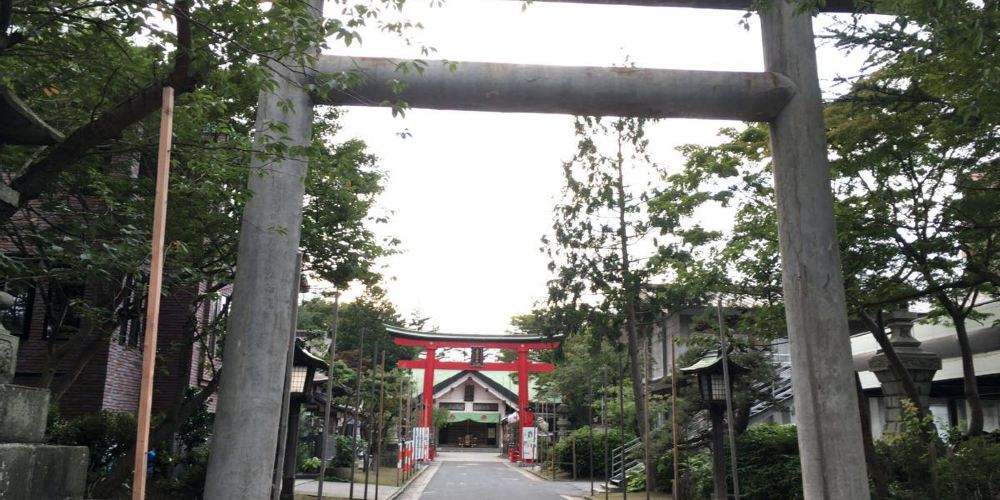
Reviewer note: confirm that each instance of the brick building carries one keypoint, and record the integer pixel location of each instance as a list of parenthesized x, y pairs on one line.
[(110, 379)]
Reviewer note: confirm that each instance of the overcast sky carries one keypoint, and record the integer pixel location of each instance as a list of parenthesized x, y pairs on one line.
[(471, 193)]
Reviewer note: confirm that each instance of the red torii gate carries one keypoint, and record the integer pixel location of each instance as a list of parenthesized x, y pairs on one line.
[(430, 342)]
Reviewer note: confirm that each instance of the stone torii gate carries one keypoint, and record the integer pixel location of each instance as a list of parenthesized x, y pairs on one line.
[(786, 96), (431, 342)]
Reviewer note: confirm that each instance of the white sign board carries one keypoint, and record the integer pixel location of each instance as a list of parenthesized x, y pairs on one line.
[(421, 443), (529, 443)]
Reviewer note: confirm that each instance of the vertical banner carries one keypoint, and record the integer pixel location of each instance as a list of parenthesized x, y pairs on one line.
[(421, 443), (529, 443)]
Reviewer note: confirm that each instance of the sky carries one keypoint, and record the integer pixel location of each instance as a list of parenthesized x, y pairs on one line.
[(470, 194)]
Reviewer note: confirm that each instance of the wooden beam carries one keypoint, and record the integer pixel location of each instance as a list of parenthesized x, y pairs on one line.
[(464, 344), (525, 88), (417, 364)]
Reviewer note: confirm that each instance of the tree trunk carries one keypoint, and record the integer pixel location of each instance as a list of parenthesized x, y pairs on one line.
[(876, 468), (631, 323), (969, 377)]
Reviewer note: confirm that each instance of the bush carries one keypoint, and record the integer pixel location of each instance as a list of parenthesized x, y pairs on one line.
[(345, 456), (107, 435), (696, 476), (768, 461), (581, 436), (972, 471)]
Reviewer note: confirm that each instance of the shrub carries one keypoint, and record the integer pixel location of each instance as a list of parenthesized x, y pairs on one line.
[(581, 436), (345, 456), (107, 435), (972, 472), (768, 461), (696, 476)]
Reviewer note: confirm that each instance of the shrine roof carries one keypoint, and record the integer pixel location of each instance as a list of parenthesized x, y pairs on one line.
[(512, 339)]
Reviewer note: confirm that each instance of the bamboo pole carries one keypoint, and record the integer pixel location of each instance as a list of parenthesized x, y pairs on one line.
[(153, 298), (729, 400), (329, 394), (286, 396)]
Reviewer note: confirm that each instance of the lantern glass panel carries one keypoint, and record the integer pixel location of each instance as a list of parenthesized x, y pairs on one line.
[(718, 387), (298, 379)]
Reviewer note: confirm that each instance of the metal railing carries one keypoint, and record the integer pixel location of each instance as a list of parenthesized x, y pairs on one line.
[(623, 461)]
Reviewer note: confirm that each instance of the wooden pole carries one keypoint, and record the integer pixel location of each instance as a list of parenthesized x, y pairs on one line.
[(371, 418), (357, 414), (381, 409), (153, 298), (673, 414), (647, 373), (604, 424), (327, 405), (286, 396), (590, 440), (400, 433), (621, 424), (729, 400)]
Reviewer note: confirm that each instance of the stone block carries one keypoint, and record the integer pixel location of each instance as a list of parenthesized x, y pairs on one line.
[(38, 471), (23, 411)]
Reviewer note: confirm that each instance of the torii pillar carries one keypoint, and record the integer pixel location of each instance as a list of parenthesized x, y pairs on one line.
[(431, 341)]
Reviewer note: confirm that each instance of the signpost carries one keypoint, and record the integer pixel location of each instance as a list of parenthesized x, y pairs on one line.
[(529, 444)]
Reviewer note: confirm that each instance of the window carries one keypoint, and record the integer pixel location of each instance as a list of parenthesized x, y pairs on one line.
[(61, 313), (452, 406), (485, 407), (470, 392), (133, 315), (17, 318)]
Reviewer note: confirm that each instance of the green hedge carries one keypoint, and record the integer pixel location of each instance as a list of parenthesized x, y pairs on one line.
[(768, 459), (581, 436)]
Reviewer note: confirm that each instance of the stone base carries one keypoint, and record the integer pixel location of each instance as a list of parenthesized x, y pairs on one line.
[(35, 472), (23, 412)]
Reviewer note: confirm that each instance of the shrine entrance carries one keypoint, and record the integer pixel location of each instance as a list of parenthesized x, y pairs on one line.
[(477, 346)]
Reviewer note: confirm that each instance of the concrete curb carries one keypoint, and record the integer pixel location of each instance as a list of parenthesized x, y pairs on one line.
[(406, 484)]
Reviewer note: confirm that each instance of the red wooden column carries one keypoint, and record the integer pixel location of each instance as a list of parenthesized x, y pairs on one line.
[(525, 417), (427, 416)]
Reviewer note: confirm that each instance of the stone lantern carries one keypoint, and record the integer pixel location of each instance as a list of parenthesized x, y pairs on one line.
[(712, 389), (29, 468), (920, 364)]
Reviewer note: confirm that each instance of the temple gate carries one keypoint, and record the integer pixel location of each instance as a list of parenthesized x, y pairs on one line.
[(431, 342)]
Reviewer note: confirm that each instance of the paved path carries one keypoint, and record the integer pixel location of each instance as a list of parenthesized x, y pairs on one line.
[(481, 476), (333, 489)]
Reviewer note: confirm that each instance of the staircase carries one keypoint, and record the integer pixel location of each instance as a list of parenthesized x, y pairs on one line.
[(624, 461)]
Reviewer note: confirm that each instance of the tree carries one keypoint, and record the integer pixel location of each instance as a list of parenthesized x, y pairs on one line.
[(597, 226), (115, 83)]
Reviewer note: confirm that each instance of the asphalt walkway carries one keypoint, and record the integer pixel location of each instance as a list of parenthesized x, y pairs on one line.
[(482, 476)]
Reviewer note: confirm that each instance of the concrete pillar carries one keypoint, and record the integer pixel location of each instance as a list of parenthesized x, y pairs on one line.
[(249, 406), (921, 365), (826, 404)]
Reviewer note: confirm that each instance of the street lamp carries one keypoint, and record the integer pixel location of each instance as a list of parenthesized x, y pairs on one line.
[(712, 388)]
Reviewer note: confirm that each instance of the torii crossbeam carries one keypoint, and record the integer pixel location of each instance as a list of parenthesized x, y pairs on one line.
[(430, 342), (786, 96)]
